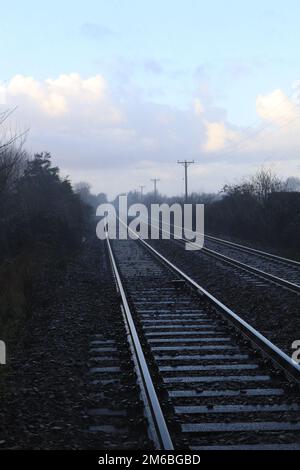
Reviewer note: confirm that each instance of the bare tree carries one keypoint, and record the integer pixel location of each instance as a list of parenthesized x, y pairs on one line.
[(11, 166), (12, 155), (260, 185), (265, 182)]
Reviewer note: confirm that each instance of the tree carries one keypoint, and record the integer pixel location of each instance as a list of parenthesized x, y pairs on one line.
[(259, 186), (264, 183), (83, 189), (292, 184)]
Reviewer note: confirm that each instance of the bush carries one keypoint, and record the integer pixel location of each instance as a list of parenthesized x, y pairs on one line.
[(42, 221)]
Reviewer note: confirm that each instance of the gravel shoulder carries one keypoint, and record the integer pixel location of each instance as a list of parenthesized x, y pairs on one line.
[(47, 395)]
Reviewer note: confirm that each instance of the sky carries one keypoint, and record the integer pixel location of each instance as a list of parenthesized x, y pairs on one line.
[(119, 90)]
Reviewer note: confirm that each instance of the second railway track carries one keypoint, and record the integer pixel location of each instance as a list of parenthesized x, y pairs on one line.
[(281, 268), (215, 378), (280, 271)]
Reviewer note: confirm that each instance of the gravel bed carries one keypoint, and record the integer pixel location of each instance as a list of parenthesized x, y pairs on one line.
[(276, 268), (272, 310), (47, 396)]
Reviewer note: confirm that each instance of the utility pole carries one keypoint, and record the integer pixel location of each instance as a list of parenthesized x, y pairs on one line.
[(186, 163), (142, 186), (155, 180)]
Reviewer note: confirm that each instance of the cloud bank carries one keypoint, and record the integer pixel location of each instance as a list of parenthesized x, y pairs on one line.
[(118, 141)]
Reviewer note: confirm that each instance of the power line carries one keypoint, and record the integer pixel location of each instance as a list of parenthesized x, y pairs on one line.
[(142, 186), (186, 164), (155, 180)]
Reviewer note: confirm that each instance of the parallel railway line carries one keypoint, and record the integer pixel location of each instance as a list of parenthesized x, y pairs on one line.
[(215, 382), (280, 271)]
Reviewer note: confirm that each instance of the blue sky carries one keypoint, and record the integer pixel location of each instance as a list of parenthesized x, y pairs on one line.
[(156, 53)]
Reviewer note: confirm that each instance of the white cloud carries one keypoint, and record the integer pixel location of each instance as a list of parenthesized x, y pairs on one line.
[(218, 136), (61, 97), (276, 107), (49, 100), (74, 85), (119, 140)]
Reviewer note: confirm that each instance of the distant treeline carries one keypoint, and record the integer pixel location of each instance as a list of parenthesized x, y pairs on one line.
[(42, 221), (38, 208), (261, 210)]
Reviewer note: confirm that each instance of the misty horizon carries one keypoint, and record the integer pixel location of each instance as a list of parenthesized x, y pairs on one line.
[(118, 97)]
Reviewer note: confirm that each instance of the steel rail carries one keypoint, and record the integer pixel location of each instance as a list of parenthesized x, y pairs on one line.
[(158, 426), (279, 357), (248, 249), (246, 267), (258, 272), (276, 354)]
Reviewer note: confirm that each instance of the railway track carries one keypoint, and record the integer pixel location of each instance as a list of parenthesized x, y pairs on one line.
[(281, 268), (208, 379), (280, 271)]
